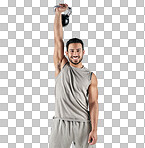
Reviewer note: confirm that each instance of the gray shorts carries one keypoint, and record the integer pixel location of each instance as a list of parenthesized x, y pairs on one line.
[(64, 132)]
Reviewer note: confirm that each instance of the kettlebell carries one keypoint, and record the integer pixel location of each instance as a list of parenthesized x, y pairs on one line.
[(65, 17)]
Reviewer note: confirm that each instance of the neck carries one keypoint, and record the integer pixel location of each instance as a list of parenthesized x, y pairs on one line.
[(78, 65)]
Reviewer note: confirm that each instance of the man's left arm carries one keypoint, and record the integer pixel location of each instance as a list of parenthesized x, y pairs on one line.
[(93, 107)]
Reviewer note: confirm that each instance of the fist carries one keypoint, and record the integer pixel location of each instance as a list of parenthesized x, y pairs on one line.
[(62, 8)]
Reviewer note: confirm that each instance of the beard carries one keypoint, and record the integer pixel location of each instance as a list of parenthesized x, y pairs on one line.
[(75, 63)]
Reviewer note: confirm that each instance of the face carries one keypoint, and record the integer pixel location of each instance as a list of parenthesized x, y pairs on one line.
[(75, 53)]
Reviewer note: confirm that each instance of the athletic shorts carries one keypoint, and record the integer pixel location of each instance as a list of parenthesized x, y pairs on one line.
[(64, 133)]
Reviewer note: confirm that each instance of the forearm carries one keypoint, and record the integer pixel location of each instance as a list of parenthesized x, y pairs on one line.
[(58, 30), (94, 111)]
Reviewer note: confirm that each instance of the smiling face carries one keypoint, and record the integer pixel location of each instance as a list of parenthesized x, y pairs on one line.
[(75, 53)]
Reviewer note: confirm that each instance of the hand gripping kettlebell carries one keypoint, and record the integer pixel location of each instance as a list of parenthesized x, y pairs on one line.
[(65, 17)]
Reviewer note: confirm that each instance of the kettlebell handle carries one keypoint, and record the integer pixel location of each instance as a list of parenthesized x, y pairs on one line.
[(69, 9)]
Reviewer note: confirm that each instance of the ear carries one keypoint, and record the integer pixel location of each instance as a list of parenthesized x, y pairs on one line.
[(66, 53), (83, 52)]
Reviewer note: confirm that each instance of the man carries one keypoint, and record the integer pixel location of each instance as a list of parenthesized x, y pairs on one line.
[(73, 83)]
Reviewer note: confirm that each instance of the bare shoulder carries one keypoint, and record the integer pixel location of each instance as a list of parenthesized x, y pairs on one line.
[(94, 80)]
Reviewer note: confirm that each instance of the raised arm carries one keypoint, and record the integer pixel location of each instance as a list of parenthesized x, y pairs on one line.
[(58, 37)]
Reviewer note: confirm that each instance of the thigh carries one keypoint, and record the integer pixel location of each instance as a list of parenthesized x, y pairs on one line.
[(60, 136), (81, 135)]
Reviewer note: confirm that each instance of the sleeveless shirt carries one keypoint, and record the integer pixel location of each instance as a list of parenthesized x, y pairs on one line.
[(71, 92)]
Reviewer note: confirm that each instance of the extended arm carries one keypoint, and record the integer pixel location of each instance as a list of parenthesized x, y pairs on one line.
[(58, 35), (58, 31), (58, 38)]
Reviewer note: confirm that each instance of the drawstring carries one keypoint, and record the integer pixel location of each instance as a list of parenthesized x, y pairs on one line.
[(71, 119)]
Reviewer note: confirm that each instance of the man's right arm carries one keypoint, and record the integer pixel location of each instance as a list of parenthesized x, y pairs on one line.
[(58, 40)]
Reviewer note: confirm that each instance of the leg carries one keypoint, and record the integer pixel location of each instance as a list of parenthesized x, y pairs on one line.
[(61, 136), (81, 131)]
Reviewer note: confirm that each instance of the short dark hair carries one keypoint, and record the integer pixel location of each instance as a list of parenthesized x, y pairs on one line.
[(74, 40)]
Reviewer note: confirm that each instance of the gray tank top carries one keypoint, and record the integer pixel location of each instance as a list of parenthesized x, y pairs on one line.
[(71, 93)]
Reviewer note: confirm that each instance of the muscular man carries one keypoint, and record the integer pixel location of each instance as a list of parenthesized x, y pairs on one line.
[(73, 122)]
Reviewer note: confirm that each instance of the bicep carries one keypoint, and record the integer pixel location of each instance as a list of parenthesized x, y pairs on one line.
[(59, 49), (93, 90), (58, 53)]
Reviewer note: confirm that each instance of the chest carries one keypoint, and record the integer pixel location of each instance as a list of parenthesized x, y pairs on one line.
[(75, 80)]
